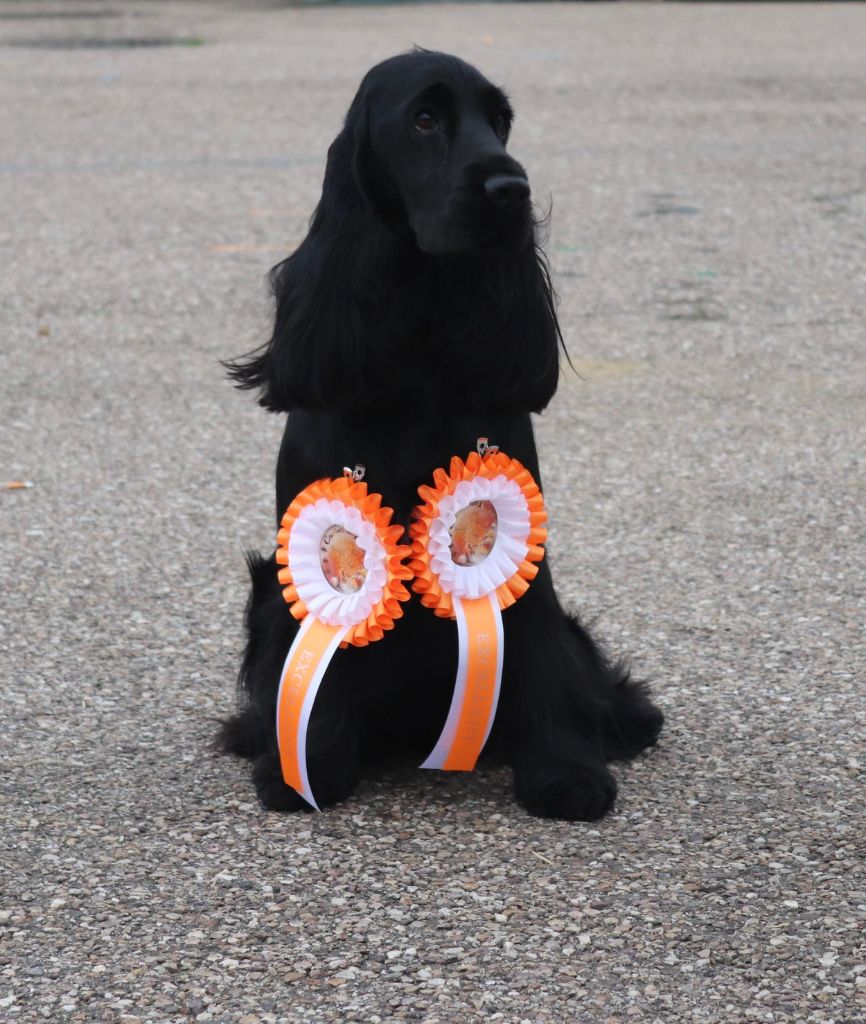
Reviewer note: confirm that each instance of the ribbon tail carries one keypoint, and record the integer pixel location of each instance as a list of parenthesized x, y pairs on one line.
[(476, 689), (300, 679)]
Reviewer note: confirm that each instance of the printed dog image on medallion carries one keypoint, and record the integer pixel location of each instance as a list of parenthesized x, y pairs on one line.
[(473, 533), (342, 560)]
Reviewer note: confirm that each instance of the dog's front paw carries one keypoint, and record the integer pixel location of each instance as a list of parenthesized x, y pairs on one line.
[(328, 788), (272, 791), (575, 793)]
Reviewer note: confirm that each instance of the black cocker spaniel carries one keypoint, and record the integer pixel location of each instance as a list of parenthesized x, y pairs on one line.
[(420, 299)]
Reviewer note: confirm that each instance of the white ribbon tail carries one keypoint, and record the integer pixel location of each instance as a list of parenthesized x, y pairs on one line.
[(443, 746)]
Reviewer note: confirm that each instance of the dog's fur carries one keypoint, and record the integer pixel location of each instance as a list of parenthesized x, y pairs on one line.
[(415, 317)]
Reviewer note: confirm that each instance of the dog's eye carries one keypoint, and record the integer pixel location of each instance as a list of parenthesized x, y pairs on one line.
[(501, 126), (425, 121)]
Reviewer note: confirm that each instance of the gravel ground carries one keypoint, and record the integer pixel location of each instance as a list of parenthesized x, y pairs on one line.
[(705, 473)]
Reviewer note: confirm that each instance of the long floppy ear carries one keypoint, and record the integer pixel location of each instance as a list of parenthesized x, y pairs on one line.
[(505, 338), (318, 355), (547, 347), (373, 181)]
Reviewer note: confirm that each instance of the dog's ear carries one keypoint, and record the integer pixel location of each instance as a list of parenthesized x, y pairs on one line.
[(358, 126), (532, 338), (374, 183), (319, 354), (502, 330)]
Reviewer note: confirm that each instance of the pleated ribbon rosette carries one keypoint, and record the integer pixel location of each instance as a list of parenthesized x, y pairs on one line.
[(342, 578), (477, 537)]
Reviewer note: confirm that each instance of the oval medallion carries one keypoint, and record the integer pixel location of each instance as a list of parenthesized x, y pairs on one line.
[(342, 560), (473, 534)]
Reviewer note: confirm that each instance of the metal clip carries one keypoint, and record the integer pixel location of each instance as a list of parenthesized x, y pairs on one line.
[(356, 475), (486, 449)]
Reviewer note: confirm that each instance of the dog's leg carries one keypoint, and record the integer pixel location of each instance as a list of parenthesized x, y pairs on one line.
[(333, 749), (565, 709), (559, 764), (332, 738)]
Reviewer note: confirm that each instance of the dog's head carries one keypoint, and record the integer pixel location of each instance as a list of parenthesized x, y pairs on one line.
[(420, 270), (429, 135)]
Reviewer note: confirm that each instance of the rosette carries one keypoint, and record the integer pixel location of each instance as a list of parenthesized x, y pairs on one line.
[(342, 572), (477, 536)]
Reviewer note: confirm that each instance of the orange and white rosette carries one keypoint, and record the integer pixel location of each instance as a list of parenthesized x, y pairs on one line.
[(477, 537), (342, 578)]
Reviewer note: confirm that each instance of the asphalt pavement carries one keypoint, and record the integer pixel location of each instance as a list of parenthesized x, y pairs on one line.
[(704, 469)]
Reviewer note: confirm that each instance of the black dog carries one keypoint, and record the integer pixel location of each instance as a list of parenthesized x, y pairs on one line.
[(420, 298)]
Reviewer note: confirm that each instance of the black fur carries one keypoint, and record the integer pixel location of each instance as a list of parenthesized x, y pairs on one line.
[(420, 299)]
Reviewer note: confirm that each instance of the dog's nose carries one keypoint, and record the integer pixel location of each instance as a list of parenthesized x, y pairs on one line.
[(506, 188)]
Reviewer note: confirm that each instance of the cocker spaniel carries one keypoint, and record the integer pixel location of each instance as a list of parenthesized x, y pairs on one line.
[(416, 316)]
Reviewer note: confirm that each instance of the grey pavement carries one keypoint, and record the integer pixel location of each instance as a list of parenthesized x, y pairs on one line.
[(705, 472)]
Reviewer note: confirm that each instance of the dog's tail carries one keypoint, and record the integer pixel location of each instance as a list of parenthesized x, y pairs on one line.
[(243, 735)]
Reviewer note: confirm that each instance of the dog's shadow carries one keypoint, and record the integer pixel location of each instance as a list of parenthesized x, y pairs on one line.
[(408, 790)]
